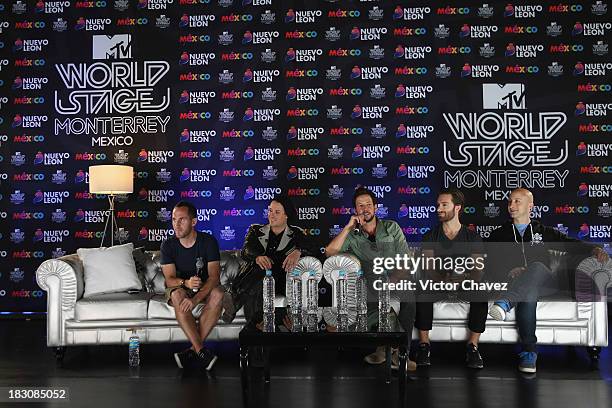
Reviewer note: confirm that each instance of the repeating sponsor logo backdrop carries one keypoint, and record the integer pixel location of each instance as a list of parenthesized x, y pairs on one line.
[(229, 102)]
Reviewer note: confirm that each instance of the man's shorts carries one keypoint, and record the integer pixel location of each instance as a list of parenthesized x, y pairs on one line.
[(197, 310)]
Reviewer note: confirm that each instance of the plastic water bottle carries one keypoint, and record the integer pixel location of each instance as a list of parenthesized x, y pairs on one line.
[(268, 302), (134, 349), (312, 302), (296, 302), (361, 296), (341, 301), (384, 304)]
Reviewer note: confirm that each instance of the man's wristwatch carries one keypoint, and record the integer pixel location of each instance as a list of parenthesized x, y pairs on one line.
[(183, 284)]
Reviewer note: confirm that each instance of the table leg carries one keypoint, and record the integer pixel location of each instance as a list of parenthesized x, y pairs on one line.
[(403, 368), (244, 367), (388, 364), (266, 356)]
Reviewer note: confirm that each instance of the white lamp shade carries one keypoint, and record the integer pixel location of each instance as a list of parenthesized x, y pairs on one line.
[(111, 179)]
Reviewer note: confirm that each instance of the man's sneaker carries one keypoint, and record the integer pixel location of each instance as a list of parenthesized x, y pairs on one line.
[(206, 359), (422, 355), (499, 309), (185, 358), (472, 357), (527, 363), (377, 357), (395, 361), (229, 309)]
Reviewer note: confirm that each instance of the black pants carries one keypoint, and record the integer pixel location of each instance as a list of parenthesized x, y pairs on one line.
[(536, 281), (477, 316)]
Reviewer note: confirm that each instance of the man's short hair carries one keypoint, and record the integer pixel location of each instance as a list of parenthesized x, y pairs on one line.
[(191, 210), (457, 196), (363, 191)]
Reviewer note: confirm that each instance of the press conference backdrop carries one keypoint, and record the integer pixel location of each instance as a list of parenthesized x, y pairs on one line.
[(228, 103)]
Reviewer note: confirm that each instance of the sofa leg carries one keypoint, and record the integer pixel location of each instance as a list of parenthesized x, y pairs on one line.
[(594, 355), (59, 356)]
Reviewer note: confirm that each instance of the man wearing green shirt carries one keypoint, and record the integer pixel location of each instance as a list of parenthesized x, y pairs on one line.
[(367, 237)]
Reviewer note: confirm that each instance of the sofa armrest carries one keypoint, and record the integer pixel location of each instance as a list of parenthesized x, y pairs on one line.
[(62, 279), (593, 280)]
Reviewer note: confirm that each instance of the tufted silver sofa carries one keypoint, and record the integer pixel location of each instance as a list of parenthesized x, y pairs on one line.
[(576, 316), (108, 319)]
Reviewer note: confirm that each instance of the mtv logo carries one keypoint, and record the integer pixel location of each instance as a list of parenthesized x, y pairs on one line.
[(507, 96), (112, 46)]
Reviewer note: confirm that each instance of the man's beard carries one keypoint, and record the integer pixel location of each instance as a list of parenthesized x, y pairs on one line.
[(445, 216), (366, 219)]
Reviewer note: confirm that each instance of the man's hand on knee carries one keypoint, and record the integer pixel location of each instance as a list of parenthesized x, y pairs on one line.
[(186, 305), (516, 272)]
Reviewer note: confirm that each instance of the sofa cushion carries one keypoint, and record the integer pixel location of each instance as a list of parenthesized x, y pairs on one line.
[(112, 306), (109, 270), (547, 310), (149, 270), (160, 309), (230, 266), (140, 261)]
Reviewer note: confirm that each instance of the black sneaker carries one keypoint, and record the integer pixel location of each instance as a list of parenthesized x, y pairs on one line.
[(229, 309), (422, 355), (206, 359), (472, 357), (185, 358)]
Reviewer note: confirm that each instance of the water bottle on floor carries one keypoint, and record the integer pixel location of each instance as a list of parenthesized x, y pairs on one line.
[(341, 302), (384, 304), (361, 296), (134, 349), (268, 302), (296, 302), (312, 302)]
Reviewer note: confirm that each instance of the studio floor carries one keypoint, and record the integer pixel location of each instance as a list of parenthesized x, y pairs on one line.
[(100, 377)]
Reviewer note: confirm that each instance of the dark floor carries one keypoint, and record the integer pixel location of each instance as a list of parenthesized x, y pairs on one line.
[(100, 376)]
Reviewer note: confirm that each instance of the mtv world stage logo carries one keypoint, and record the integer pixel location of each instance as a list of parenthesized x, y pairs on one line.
[(520, 143), (103, 92)]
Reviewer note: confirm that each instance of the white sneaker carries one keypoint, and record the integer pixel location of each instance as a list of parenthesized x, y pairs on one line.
[(497, 312)]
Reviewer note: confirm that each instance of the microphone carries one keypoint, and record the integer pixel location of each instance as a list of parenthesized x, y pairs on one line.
[(199, 266), (357, 229)]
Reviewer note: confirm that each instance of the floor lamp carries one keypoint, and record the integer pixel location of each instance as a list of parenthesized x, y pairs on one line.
[(111, 179)]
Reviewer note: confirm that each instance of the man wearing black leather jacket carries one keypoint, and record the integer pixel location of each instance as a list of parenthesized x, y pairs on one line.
[(277, 246)]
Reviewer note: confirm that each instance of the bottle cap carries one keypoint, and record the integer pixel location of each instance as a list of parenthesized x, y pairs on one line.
[(312, 273), (268, 272), (341, 273)]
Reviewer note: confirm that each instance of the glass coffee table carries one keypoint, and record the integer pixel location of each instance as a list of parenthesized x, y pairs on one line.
[(252, 337)]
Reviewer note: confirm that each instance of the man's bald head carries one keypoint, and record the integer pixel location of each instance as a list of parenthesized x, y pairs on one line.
[(520, 205), (524, 192)]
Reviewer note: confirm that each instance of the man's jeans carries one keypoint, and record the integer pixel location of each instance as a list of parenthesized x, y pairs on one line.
[(524, 291)]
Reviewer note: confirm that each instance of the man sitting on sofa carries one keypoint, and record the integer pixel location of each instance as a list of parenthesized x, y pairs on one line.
[(451, 239), (525, 259), (190, 263)]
